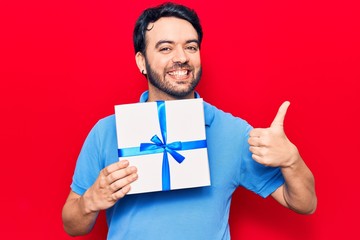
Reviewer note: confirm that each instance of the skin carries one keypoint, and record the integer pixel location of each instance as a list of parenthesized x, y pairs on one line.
[(80, 212), (168, 55), (173, 69), (271, 147)]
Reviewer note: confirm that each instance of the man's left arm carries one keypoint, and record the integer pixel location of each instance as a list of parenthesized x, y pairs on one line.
[(271, 147), (298, 191)]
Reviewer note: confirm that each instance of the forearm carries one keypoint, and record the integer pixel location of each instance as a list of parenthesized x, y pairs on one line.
[(299, 188), (77, 218)]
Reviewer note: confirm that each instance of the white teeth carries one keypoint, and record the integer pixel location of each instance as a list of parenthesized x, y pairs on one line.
[(178, 73)]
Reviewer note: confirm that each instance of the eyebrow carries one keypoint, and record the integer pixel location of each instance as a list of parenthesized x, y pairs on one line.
[(172, 42)]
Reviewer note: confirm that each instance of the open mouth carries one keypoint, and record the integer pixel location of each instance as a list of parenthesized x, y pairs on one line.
[(179, 74)]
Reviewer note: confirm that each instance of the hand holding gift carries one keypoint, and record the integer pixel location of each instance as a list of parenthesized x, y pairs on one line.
[(112, 184)]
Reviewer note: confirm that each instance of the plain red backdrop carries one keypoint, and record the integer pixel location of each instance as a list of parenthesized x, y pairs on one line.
[(65, 64)]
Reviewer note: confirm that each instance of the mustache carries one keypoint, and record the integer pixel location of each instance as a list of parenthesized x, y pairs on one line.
[(178, 65)]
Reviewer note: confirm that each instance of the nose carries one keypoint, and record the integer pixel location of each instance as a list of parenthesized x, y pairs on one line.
[(180, 56)]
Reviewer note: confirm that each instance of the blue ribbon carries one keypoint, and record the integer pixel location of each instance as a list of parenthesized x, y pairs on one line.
[(158, 146)]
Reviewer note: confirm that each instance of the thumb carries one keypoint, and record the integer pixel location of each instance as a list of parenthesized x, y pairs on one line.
[(280, 116)]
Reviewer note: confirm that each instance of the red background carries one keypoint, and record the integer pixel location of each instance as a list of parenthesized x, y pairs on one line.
[(65, 64)]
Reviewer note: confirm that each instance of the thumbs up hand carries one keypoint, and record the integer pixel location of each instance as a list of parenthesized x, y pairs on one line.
[(270, 146)]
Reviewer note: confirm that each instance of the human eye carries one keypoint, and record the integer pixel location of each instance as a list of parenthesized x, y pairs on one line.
[(164, 49), (192, 48)]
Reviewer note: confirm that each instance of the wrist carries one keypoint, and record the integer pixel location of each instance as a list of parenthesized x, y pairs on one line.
[(86, 202), (294, 158)]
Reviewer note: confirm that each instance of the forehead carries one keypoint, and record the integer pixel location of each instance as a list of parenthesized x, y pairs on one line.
[(171, 29)]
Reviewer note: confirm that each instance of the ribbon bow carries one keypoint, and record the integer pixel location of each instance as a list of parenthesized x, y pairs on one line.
[(170, 148)]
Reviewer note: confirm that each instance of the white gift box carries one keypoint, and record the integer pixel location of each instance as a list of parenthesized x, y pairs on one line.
[(178, 161)]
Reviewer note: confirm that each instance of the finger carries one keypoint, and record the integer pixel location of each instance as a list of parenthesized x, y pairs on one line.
[(256, 150), (254, 141), (121, 173), (257, 132), (117, 185), (121, 193), (115, 166), (280, 116)]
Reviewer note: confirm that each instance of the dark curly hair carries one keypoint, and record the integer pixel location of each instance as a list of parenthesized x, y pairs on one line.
[(151, 15)]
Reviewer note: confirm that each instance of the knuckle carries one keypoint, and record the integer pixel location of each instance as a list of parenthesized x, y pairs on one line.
[(105, 171), (252, 149), (114, 197), (121, 193), (125, 190), (102, 181), (111, 177), (109, 189), (130, 170), (117, 195), (115, 186)]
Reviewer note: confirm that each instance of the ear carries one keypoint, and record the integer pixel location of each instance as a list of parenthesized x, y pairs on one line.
[(140, 62)]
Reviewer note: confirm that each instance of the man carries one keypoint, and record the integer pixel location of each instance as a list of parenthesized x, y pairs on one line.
[(167, 42)]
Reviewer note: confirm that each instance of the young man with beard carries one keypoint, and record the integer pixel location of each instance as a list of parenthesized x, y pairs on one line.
[(167, 43)]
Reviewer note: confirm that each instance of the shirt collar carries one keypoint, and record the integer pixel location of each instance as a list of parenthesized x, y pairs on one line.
[(208, 109)]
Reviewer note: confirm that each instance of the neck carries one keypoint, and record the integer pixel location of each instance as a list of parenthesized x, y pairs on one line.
[(156, 94)]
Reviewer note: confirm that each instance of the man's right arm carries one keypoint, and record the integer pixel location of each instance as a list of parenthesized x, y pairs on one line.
[(80, 212)]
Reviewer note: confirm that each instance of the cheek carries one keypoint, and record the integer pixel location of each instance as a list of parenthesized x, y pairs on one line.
[(196, 61), (160, 66)]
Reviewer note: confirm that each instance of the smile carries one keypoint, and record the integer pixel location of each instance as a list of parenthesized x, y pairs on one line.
[(180, 73)]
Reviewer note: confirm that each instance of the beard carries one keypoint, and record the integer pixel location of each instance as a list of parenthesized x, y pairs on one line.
[(168, 87)]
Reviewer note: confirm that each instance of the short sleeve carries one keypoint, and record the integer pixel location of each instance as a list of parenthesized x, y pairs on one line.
[(262, 180), (88, 164)]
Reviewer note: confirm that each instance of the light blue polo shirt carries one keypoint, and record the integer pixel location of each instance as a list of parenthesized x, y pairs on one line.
[(193, 214)]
